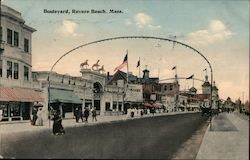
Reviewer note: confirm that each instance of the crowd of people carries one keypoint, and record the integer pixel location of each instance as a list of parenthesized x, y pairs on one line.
[(84, 115), (133, 112)]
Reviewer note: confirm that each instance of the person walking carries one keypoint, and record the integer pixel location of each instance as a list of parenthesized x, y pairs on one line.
[(80, 114), (39, 121), (77, 115), (94, 114), (86, 114), (34, 116), (57, 125)]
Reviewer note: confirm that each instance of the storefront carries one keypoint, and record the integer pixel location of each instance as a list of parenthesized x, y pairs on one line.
[(16, 103), (64, 101)]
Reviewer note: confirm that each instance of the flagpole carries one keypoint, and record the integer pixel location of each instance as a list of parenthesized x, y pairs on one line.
[(139, 68), (127, 68), (176, 71), (193, 81)]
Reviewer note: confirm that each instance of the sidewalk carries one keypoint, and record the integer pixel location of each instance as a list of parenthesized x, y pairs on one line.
[(228, 138), (6, 128)]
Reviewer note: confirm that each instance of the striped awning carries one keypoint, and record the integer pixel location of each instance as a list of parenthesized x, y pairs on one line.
[(8, 94)]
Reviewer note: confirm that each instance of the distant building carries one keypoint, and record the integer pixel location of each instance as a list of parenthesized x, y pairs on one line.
[(18, 92), (229, 104)]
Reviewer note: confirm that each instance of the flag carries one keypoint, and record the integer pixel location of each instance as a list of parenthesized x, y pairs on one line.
[(138, 63), (125, 61), (190, 77), (205, 69), (173, 67)]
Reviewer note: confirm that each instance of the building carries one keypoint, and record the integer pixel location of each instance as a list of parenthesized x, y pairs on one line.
[(65, 93), (18, 92), (131, 92)]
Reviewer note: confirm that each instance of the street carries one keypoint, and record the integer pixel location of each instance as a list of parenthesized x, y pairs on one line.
[(153, 138)]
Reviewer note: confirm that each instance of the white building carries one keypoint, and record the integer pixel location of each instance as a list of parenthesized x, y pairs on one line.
[(17, 90), (89, 90)]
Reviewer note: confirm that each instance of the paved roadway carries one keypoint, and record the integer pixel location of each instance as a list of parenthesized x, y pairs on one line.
[(153, 137)]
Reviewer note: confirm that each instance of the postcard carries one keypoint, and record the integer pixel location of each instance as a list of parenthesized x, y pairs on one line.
[(131, 79)]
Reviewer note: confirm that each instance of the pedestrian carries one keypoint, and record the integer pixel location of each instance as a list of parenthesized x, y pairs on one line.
[(86, 114), (142, 112), (77, 115), (39, 121), (94, 114), (57, 125), (34, 116), (1, 114), (80, 114)]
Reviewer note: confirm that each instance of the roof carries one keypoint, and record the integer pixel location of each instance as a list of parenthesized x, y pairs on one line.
[(193, 89), (215, 88), (149, 80), (19, 95), (202, 96), (120, 74), (205, 84), (64, 96)]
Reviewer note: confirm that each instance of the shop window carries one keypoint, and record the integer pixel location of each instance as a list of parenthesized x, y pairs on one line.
[(114, 106), (9, 36), (26, 45), (4, 107), (107, 106), (16, 68), (1, 68), (16, 38), (9, 69), (26, 73), (1, 34), (14, 109), (120, 106)]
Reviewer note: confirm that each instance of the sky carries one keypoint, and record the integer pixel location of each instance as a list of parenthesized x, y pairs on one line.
[(217, 29)]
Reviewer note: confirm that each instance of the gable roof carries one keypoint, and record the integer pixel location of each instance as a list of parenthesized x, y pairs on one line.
[(122, 75)]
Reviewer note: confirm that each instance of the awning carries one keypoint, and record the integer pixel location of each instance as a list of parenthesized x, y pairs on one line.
[(19, 95), (157, 105), (147, 105), (64, 96)]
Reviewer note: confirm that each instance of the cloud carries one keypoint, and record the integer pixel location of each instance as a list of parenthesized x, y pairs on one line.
[(68, 28), (215, 32), (143, 20), (128, 22)]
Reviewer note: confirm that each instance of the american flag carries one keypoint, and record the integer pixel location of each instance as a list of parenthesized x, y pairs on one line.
[(125, 61)]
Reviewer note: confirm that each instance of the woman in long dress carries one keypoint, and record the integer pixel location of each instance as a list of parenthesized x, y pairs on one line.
[(57, 125), (39, 121)]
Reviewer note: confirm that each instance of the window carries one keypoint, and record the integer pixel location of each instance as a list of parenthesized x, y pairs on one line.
[(114, 105), (1, 68), (16, 39), (165, 88), (120, 106), (9, 69), (26, 45), (16, 68), (15, 109), (1, 34), (9, 36), (26, 73), (171, 88), (107, 106)]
